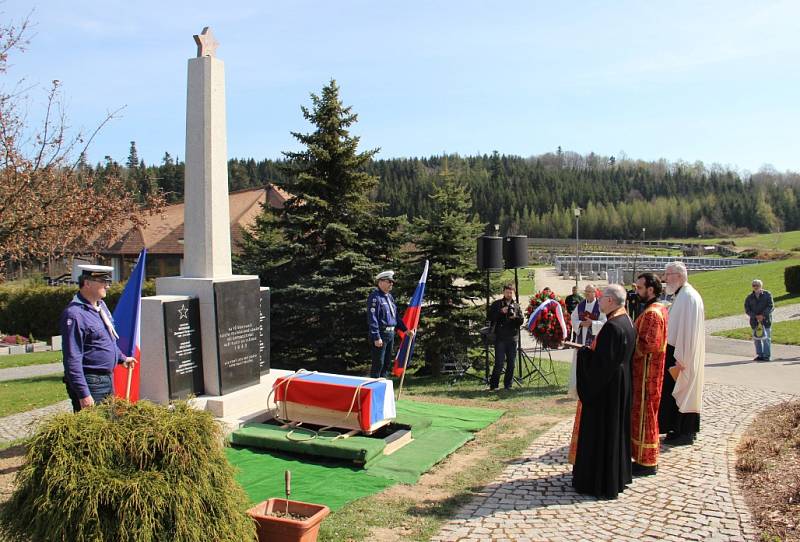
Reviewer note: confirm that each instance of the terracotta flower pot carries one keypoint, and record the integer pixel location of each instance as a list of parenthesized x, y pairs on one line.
[(281, 529)]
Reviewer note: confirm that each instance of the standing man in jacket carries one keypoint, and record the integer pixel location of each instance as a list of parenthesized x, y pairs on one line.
[(506, 317), (758, 306)]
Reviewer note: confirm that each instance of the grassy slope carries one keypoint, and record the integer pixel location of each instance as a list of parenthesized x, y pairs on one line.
[(724, 291), (782, 333), (30, 393), (789, 240), (34, 358)]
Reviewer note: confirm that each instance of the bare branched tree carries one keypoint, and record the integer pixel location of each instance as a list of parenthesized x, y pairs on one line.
[(49, 206)]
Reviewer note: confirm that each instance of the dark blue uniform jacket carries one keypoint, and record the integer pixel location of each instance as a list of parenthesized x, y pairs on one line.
[(86, 344), (381, 313)]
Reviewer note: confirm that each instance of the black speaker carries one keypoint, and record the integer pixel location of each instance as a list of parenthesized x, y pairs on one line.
[(490, 253), (515, 251)]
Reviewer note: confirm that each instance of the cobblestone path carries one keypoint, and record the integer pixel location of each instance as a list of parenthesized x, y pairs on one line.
[(694, 496), (21, 425)]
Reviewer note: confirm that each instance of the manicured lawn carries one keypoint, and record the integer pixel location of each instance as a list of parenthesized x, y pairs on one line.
[(724, 291), (788, 241), (417, 512), (29, 393), (34, 358), (526, 280), (782, 333)]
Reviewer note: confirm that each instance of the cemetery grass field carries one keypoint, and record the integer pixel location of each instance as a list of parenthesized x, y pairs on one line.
[(782, 333), (416, 512), (30, 393), (34, 358), (788, 241), (724, 291)]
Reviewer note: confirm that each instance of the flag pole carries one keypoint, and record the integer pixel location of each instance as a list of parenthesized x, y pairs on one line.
[(128, 387), (405, 366)]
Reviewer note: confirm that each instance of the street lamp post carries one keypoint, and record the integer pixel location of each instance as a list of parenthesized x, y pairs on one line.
[(577, 211), (636, 257)]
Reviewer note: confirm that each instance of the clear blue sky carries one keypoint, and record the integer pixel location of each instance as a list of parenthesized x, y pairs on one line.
[(689, 80)]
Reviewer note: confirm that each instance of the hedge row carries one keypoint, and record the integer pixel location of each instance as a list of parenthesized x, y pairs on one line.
[(35, 310)]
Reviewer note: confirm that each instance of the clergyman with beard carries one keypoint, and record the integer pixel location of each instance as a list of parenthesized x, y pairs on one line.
[(682, 389)]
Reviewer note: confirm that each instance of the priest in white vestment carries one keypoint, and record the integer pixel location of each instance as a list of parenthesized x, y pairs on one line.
[(587, 320), (682, 390)]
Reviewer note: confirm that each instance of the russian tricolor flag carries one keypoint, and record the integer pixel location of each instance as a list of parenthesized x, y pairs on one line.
[(411, 320), (127, 321), (556, 307)]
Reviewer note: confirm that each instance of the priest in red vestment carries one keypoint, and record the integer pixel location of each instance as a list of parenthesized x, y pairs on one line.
[(647, 375)]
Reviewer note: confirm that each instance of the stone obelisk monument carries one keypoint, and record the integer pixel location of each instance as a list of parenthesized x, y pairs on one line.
[(203, 333)]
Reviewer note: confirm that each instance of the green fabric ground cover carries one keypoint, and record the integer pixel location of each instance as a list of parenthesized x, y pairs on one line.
[(260, 473), (337, 483)]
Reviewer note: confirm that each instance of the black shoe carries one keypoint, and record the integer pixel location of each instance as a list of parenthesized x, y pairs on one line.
[(507, 388), (676, 439), (643, 470), (758, 358)]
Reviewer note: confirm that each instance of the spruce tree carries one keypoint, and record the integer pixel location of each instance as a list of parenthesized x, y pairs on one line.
[(454, 290), (321, 252)]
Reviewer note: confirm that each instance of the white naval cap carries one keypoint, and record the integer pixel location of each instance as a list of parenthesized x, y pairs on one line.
[(96, 271), (388, 275)]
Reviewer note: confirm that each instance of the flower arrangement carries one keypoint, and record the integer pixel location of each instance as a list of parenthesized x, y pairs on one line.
[(546, 327)]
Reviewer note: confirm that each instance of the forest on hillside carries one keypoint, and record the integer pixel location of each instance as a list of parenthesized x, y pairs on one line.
[(535, 196)]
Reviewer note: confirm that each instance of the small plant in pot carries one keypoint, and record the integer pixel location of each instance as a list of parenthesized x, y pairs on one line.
[(284, 520)]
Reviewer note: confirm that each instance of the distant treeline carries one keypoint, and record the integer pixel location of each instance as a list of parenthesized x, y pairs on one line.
[(536, 196)]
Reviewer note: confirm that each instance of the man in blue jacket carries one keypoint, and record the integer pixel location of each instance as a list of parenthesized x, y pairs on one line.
[(382, 320), (89, 340), (758, 306)]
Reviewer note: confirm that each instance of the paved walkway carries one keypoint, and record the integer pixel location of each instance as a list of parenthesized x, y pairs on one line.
[(694, 496), (21, 425), (14, 373)]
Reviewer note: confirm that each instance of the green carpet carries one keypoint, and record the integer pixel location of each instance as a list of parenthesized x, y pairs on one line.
[(453, 417), (408, 463), (438, 431), (261, 476)]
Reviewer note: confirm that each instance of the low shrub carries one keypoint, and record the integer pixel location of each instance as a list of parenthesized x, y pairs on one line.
[(130, 473), (791, 279)]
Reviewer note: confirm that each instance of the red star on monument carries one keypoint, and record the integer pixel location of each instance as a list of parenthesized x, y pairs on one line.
[(206, 43)]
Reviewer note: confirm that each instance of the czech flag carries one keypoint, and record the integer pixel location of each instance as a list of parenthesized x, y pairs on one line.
[(127, 321), (411, 320)]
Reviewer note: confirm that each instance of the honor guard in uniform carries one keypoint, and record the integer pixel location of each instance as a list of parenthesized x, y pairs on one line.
[(89, 340), (382, 320)]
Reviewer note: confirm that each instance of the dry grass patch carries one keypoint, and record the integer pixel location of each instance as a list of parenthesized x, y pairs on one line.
[(768, 466)]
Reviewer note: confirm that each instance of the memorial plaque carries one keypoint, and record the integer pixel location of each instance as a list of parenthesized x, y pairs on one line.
[(184, 351), (236, 304), (264, 343)]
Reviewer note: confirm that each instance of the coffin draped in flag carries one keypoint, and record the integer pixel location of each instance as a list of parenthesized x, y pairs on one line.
[(411, 320), (127, 321), (347, 402)]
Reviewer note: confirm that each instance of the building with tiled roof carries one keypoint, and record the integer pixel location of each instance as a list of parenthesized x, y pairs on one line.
[(163, 234)]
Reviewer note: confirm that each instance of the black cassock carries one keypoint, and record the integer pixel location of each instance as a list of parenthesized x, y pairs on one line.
[(603, 459)]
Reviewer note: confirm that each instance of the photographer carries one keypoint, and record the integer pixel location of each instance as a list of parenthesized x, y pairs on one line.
[(505, 317)]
